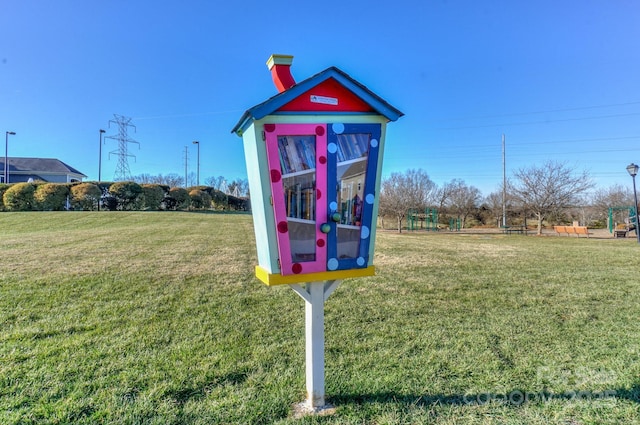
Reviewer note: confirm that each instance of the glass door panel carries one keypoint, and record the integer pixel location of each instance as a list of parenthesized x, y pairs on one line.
[(353, 161), (296, 163), (351, 176), (300, 205)]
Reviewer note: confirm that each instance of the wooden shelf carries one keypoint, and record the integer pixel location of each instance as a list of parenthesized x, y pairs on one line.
[(348, 226), (300, 220), (299, 173)]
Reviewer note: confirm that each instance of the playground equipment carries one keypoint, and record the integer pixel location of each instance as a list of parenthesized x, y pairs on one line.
[(454, 225), (429, 218), (630, 221)]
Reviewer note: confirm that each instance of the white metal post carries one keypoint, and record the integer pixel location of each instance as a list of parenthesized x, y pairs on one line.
[(314, 333), (314, 295)]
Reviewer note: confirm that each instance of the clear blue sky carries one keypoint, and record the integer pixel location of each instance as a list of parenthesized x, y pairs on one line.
[(561, 79)]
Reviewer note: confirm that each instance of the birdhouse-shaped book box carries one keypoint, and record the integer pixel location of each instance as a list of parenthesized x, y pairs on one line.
[(314, 159)]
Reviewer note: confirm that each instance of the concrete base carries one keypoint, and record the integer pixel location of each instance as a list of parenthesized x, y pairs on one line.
[(303, 409)]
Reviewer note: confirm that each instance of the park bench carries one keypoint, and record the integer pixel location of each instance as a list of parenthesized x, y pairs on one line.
[(622, 230), (572, 230), (514, 229), (620, 233)]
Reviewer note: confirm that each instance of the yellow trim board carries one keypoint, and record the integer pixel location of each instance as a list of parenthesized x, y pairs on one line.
[(272, 279)]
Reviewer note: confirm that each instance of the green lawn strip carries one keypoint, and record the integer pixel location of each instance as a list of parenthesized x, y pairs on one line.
[(157, 318)]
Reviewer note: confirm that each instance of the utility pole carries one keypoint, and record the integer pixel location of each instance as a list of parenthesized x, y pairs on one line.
[(122, 168), (186, 161), (504, 184)]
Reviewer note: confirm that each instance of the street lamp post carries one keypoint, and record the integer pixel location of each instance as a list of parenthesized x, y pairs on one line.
[(6, 155), (100, 157), (195, 142), (633, 172), (100, 167), (186, 158)]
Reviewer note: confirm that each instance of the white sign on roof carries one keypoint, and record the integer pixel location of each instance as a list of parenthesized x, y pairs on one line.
[(324, 100)]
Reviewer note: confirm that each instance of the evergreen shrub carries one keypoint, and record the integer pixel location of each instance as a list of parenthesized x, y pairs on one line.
[(153, 195), (51, 197), (181, 196), (19, 197), (219, 199), (128, 195), (85, 196), (200, 199), (3, 189)]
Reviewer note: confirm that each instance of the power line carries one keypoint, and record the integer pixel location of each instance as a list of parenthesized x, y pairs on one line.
[(515, 114), (198, 114), (458, 148), (538, 122), (492, 154), (598, 139)]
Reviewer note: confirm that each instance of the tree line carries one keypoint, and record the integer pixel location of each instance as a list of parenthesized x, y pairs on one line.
[(237, 187), (552, 192)]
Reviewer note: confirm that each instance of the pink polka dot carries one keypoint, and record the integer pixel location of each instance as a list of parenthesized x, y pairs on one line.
[(319, 130), (320, 243), (283, 227), (296, 268), (275, 176), (269, 128), (318, 194), (322, 159)]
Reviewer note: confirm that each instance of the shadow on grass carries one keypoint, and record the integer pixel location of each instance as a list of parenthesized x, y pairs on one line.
[(185, 394), (216, 212), (513, 398)]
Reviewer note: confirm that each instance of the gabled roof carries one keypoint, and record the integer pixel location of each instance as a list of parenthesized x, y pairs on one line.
[(39, 165), (276, 102)]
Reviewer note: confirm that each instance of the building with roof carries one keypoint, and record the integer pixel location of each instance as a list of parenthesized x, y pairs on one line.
[(39, 169)]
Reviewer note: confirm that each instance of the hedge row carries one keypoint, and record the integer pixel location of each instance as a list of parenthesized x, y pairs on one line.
[(130, 196)]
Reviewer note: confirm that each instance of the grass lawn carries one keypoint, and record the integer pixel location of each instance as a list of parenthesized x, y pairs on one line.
[(156, 318)]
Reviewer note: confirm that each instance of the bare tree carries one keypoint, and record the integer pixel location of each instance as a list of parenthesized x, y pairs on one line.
[(615, 196), (403, 191), (612, 196), (171, 180), (442, 196), (192, 179), (493, 201), (215, 182), (239, 187), (494, 204), (462, 200), (144, 178), (549, 188)]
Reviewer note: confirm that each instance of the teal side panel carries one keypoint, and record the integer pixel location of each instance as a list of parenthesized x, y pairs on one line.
[(376, 204), (263, 219)]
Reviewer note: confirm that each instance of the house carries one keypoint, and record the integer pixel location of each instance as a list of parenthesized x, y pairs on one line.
[(43, 169)]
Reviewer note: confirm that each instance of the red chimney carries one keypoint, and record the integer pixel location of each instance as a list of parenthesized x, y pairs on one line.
[(280, 67)]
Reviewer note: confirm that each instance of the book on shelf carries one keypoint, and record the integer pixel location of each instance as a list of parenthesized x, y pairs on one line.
[(297, 153), (308, 204), (300, 202)]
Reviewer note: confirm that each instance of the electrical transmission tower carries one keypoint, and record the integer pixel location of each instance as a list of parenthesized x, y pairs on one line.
[(122, 168)]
